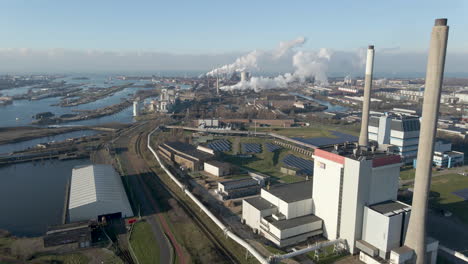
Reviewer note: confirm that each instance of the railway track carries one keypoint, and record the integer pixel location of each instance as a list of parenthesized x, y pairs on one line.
[(220, 248)]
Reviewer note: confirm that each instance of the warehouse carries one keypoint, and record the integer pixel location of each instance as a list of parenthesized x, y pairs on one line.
[(185, 155), (238, 188), (217, 168), (96, 190)]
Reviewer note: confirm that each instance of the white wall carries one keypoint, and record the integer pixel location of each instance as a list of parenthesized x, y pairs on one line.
[(283, 207), (212, 169), (92, 210), (300, 208), (251, 215), (357, 176), (383, 232), (384, 183), (325, 194), (297, 230), (375, 229)]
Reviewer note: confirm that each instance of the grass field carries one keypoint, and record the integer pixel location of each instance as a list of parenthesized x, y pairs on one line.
[(65, 259), (266, 162), (444, 186), (315, 130), (144, 244), (407, 173)]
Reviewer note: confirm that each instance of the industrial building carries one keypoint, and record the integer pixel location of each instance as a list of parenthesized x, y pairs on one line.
[(233, 189), (185, 155), (283, 214), (401, 131), (352, 195), (95, 191), (217, 168), (400, 134)]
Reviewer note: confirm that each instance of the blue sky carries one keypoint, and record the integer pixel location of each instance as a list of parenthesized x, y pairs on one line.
[(225, 26)]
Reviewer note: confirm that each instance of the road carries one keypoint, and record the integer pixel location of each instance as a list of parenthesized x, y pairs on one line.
[(135, 167)]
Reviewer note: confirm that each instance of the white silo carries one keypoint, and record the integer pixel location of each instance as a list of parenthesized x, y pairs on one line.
[(136, 108)]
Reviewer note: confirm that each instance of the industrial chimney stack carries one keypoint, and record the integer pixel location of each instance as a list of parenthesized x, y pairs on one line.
[(416, 235), (363, 137)]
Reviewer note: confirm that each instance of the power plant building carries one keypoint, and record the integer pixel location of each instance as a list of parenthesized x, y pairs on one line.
[(97, 190), (401, 131), (283, 214)]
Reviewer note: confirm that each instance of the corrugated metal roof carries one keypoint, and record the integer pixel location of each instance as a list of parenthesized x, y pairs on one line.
[(97, 183)]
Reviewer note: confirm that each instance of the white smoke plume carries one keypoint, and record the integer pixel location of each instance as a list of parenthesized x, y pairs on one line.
[(250, 60), (307, 64)]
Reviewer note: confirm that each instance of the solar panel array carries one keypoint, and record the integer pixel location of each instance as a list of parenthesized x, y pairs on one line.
[(272, 147), (337, 138), (463, 193), (251, 148), (305, 166), (220, 145)]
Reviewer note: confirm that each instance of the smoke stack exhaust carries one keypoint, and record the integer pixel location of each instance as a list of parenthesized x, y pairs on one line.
[(363, 137), (416, 235)]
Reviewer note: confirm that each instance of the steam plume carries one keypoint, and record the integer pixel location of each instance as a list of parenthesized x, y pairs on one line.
[(250, 60)]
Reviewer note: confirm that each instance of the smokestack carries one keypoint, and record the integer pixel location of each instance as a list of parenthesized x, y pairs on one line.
[(363, 137), (217, 85), (416, 235)]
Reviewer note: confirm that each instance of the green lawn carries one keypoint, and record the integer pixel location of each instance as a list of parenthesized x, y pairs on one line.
[(443, 186), (144, 244), (74, 258), (407, 173), (266, 162), (315, 130)]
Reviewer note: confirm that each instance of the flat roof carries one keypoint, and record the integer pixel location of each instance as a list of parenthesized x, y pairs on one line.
[(259, 203), (219, 164), (388, 207), (290, 223), (292, 192), (188, 150)]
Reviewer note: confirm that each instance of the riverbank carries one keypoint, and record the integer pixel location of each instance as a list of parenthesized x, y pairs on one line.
[(9, 135)]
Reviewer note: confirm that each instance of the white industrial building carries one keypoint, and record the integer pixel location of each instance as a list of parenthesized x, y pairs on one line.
[(96, 190), (401, 131), (217, 168), (353, 196), (283, 214)]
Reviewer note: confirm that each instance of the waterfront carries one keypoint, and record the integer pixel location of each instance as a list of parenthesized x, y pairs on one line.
[(21, 112), (331, 107), (32, 195), (23, 145)]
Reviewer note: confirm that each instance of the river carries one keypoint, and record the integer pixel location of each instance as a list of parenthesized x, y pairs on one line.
[(32, 195), (20, 112), (23, 145)]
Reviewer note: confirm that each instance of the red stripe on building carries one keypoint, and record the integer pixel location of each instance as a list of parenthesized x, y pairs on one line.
[(329, 156), (387, 160)]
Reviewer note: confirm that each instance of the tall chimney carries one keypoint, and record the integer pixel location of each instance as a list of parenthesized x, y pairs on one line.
[(217, 85), (363, 137), (416, 235)]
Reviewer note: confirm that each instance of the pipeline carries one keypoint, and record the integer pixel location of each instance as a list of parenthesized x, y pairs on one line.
[(226, 231), (454, 253), (278, 258)]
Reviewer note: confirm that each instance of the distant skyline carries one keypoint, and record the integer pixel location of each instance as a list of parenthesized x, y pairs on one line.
[(87, 36)]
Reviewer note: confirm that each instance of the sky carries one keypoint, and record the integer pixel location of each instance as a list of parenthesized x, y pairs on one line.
[(57, 35)]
